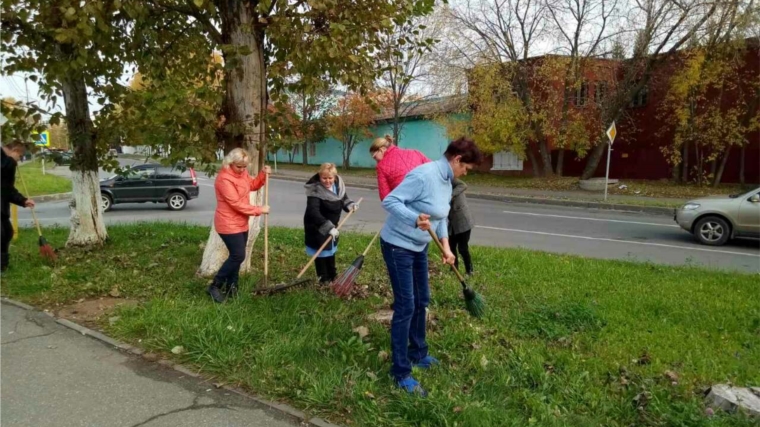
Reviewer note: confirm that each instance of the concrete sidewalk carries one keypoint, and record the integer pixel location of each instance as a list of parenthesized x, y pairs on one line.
[(54, 376)]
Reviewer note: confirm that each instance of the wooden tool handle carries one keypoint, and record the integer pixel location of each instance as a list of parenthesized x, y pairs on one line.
[(329, 239), (370, 244), (266, 228), (440, 246), (34, 215)]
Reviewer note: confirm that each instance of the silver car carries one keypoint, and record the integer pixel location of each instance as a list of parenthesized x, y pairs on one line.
[(716, 219)]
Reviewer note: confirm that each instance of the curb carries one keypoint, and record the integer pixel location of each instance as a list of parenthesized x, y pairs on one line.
[(51, 197), (285, 410), (655, 210)]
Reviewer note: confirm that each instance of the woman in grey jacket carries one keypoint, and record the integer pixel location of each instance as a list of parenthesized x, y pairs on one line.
[(460, 225)]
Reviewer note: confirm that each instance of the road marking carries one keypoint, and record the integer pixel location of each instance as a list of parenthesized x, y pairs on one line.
[(602, 239), (592, 219)]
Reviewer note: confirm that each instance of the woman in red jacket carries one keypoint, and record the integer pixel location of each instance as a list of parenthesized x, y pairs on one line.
[(233, 187), (393, 163)]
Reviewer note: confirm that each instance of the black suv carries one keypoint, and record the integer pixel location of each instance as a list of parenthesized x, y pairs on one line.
[(150, 183)]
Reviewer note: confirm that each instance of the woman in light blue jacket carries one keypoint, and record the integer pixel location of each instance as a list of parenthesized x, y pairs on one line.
[(418, 204)]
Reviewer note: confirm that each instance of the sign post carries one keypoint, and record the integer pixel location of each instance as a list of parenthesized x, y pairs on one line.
[(611, 134)]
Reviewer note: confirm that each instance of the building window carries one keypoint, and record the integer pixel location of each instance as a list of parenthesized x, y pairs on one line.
[(506, 161), (600, 91), (312, 149), (641, 98), (296, 150), (580, 97)]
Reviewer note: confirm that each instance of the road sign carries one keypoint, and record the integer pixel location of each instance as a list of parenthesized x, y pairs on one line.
[(612, 133), (41, 139)]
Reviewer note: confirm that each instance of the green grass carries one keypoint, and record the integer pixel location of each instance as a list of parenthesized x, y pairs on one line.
[(39, 184), (567, 341)]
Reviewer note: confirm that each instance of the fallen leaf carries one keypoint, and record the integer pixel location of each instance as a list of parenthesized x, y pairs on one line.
[(369, 395), (113, 320), (178, 349), (362, 331), (483, 361), (457, 409), (115, 291), (382, 355), (372, 376)]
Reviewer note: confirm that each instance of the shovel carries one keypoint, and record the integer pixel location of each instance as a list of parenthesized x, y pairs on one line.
[(300, 280)]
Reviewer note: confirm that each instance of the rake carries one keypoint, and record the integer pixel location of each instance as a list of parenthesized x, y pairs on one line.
[(46, 251), (265, 282), (342, 285), (300, 280), (473, 301)]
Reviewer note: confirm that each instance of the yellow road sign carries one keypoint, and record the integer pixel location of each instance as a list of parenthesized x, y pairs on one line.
[(612, 133), (42, 139)]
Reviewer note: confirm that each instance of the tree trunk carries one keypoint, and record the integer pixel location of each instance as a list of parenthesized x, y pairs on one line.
[(87, 226), (533, 161), (560, 161), (305, 153), (722, 167), (245, 103), (742, 155), (685, 167), (546, 157), (713, 167), (593, 160), (675, 173), (347, 148)]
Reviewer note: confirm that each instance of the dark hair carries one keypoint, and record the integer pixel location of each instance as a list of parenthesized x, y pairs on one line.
[(15, 145), (466, 148)]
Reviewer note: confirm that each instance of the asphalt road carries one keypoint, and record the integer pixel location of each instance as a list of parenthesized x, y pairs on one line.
[(590, 233)]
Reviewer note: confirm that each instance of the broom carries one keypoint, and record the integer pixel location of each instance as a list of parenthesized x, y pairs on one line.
[(473, 301), (46, 251), (299, 280), (342, 285)]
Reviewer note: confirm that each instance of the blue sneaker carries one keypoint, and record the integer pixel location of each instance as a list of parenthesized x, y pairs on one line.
[(427, 362), (412, 386)]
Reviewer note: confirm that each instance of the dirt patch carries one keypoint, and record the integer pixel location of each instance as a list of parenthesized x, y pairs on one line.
[(89, 311)]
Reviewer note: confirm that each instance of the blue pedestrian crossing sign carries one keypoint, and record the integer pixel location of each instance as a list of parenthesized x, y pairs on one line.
[(41, 139)]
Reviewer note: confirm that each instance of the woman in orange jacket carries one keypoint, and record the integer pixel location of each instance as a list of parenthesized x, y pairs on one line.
[(233, 187)]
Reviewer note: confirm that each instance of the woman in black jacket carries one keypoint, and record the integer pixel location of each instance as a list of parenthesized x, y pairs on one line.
[(325, 198)]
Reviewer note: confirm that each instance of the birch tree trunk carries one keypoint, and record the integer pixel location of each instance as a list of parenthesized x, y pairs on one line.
[(87, 225), (245, 104)]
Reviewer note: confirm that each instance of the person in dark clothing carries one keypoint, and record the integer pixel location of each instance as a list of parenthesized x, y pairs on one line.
[(460, 225), (325, 198), (11, 154)]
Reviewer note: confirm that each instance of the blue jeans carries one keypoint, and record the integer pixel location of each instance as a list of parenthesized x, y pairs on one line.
[(408, 272), (230, 270)]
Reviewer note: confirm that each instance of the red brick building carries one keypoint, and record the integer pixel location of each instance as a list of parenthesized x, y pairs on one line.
[(645, 127)]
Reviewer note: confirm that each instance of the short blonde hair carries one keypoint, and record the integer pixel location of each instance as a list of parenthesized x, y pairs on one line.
[(328, 167), (379, 143), (237, 155)]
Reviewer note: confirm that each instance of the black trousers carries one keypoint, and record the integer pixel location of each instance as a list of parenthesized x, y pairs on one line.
[(460, 245), (230, 270), (6, 234), (326, 269)]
